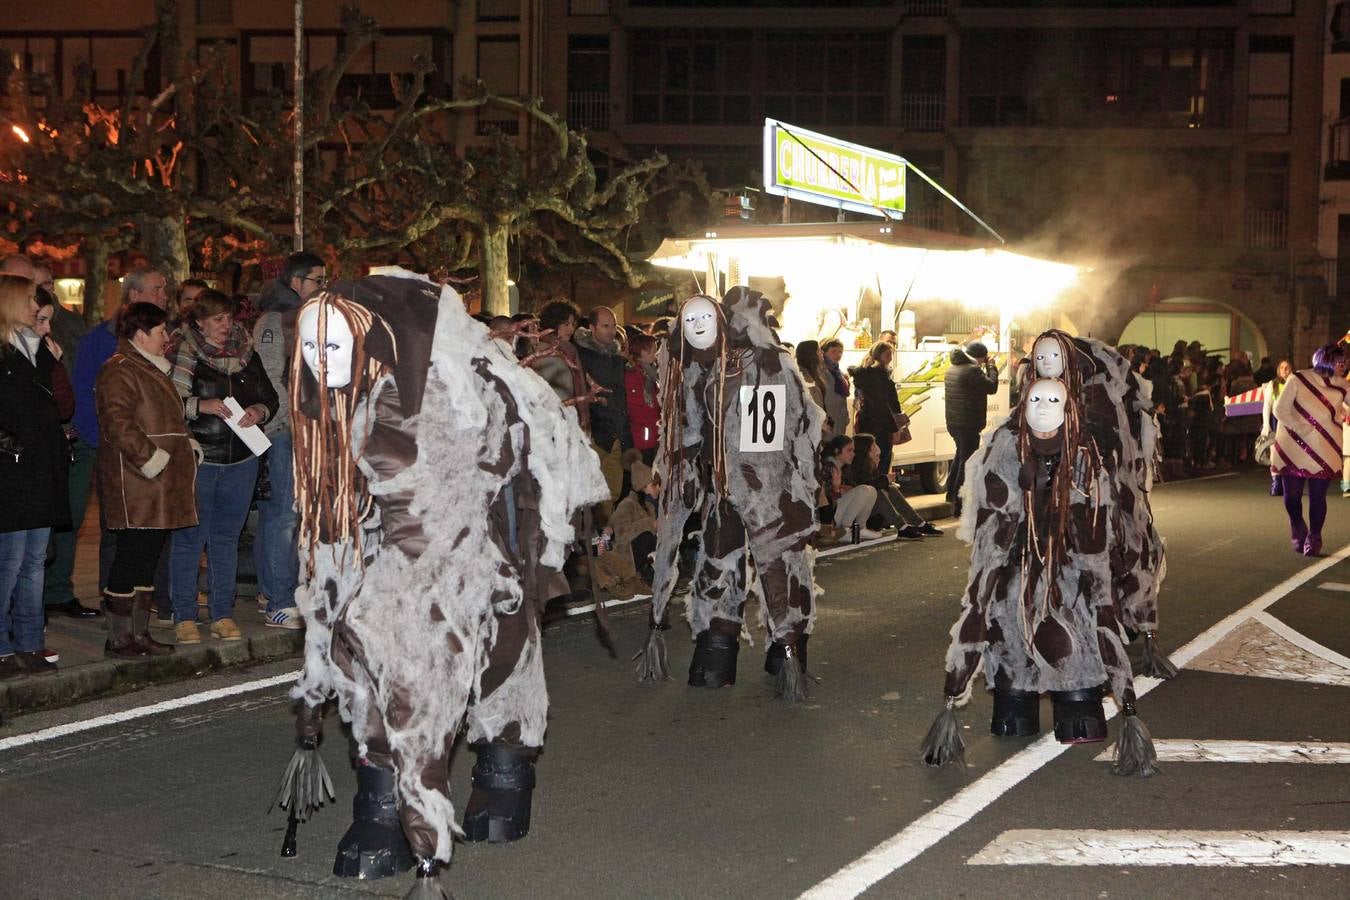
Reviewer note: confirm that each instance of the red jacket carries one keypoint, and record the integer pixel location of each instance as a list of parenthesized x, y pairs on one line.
[(643, 418)]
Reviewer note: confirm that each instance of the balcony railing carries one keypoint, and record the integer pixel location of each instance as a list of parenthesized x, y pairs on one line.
[(1267, 229), (923, 112), (588, 109), (1268, 113), (925, 217), (925, 7)]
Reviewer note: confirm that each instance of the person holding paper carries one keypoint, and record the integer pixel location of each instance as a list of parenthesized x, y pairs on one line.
[(213, 362)]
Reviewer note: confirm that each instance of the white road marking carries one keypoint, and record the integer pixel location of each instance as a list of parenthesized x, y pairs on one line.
[(1264, 647), (140, 712), (1335, 586), (933, 826), (1086, 847), (1246, 752), (1302, 640)]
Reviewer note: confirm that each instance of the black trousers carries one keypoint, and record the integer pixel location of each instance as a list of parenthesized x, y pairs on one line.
[(967, 441), (134, 564)]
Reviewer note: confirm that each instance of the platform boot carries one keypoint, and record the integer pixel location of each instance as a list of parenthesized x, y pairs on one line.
[(374, 846), (118, 610), (1016, 713), (715, 650), (1079, 718), (498, 810)]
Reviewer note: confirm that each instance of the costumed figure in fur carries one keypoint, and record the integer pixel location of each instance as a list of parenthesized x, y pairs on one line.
[(436, 481), (739, 435), (1119, 414), (1039, 612)]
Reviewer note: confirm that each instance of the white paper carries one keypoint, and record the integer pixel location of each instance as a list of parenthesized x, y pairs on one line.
[(252, 436), (763, 410)]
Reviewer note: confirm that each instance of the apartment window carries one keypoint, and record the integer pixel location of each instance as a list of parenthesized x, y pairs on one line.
[(499, 69), (1269, 78), (1100, 78), (588, 81), (498, 10), (923, 78), (370, 74), (1272, 7), (215, 12), (725, 167), (1338, 136), (269, 59), (1267, 200), (827, 79), (691, 77)]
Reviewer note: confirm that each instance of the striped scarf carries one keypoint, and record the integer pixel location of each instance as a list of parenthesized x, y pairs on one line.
[(188, 346)]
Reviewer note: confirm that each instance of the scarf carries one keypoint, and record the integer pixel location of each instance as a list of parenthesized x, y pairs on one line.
[(188, 346), (832, 369), (159, 362)]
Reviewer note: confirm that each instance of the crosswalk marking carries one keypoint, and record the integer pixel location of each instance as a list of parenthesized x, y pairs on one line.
[(1088, 847), (1265, 647), (1247, 752)]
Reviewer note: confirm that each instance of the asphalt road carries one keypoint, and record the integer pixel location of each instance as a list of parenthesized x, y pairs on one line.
[(674, 792)]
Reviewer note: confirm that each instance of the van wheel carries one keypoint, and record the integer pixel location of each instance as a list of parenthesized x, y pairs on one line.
[(933, 476)]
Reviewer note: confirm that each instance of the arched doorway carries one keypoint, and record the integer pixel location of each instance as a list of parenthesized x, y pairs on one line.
[(1218, 327)]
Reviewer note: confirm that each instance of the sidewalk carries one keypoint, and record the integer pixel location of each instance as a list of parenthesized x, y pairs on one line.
[(85, 673)]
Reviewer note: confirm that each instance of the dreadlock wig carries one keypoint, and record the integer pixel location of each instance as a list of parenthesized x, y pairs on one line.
[(331, 494)]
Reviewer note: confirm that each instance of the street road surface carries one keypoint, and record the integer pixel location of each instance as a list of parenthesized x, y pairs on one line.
[(674, 792)]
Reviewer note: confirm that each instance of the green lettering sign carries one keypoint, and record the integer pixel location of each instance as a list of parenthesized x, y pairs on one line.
[(820, 169)]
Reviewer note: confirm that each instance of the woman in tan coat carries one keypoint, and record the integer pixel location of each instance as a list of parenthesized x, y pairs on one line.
[(147, 473)]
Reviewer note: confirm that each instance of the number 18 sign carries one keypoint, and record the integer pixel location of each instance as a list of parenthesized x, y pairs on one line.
[(762, 411)]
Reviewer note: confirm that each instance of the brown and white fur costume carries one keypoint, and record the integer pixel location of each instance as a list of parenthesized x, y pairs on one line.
[(758, 508), (476, 470), (1040, 611)]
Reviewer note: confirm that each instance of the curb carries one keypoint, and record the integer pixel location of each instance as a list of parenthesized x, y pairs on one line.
[(96, 679)]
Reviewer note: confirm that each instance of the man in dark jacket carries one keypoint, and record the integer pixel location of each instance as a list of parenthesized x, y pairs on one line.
[(603, 359), (968, 384)]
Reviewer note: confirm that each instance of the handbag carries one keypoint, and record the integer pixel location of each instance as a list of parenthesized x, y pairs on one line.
[(902, 435), (1264, 444)]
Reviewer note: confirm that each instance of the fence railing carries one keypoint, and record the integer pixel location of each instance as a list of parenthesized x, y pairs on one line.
[(1267, 229), (926, 7), (588, 109), (923, 112)]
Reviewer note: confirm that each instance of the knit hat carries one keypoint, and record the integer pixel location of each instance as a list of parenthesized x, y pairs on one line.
[(976, 350), (641, 473)]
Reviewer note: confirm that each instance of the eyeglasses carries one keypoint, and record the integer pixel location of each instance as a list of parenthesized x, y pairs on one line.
[(320, 280)]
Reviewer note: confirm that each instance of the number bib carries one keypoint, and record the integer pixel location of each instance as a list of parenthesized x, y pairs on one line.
[(762, 410)]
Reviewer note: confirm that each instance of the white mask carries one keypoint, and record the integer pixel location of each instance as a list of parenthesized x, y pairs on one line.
[(1049, 362), (338, 348), (698, 318), (1045, 403)]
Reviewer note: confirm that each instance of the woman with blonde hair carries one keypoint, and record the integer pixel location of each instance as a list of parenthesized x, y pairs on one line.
[(34, 461)]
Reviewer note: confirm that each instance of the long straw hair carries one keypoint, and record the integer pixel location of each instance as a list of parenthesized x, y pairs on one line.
[(1076, 474), (674, 415), (331, 494)]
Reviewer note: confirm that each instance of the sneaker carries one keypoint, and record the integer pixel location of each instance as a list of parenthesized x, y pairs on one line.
[(226, 630), (162, 621), (11, 669), (909, 533), (285, 618), (187, 633), (928, 529), (867, 534), (33, 662), (51, 656)]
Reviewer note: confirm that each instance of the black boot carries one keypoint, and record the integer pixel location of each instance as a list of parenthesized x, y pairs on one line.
[(374, 846), (773, 660), (714, 662), (1016, 713), (1079, 718), (121, 642), (503, 784)]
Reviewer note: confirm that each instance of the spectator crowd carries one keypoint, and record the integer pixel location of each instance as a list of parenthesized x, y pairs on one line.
[(150, 409)]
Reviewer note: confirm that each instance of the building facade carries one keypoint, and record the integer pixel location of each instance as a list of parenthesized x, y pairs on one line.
[(1181, 149)]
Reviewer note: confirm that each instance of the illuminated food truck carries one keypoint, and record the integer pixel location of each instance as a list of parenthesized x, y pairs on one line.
[(854, 280)]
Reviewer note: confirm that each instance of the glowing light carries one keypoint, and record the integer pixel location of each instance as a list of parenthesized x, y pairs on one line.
[(20, 134)]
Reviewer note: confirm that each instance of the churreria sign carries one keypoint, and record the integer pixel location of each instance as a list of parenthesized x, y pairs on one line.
[(804, 165)]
